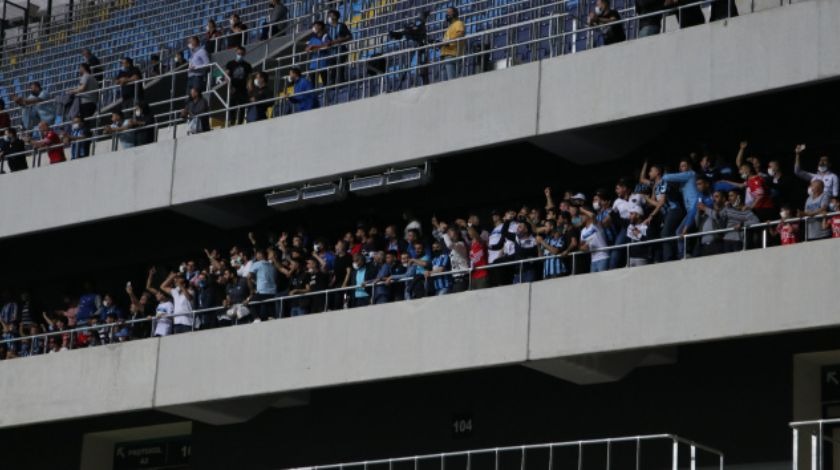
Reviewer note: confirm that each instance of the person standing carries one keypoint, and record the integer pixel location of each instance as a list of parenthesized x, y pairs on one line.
[(198, 65), (277, 18), (129, 79), (195, 111), (830, 182), (612, 30), (304, 98), (11, 150), (339, 34), (238, 70), (38, 106), (50, 142), (453, 44), (86, 91)]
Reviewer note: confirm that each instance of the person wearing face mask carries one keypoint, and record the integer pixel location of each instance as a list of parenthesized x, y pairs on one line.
[(817, 204), (258, 93), (361, 275), (236, 35), (303, 98), (119, 127), (416, 36), (339, 35), (613, 31), (824, 173), (108, 308), (11, 151), (238, 70), (37, 104), (129, 79), (143, 119), (198, 65), (780, 185), (78, 131), (756, 193), (786, 230), (453, 45)]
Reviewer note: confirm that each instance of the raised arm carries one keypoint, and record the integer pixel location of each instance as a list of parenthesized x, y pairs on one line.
[(549, 202), (739, 158), (643, 174), (797, 169), (166, 286), (149, 278)]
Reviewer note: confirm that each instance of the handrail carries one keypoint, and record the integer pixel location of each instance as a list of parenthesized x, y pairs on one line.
[(523, 448), (400, 49), (468, 273)]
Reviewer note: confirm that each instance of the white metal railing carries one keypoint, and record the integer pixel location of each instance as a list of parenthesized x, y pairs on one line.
[(624, 453), (557, 40), (813, 435)]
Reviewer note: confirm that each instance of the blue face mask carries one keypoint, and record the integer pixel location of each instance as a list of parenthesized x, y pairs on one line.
[(576, 220)]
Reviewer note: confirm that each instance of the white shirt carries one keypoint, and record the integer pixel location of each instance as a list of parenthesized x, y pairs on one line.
[(181, 304), (622, 207), (163, 320), (495, 237), (594, 239)]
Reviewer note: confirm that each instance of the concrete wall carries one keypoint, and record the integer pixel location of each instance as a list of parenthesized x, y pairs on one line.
[(103, 186), (712, 298), (84, 382), (775, 48)]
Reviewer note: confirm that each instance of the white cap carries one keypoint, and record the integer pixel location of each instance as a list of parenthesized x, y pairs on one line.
[(580, 196)]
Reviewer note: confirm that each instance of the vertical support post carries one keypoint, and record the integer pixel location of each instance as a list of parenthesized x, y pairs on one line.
[(693, 457), (675, 462), (813, 452), (795, 447)]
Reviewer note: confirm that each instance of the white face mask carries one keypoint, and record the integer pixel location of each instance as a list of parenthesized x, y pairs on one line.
[(238, 57), (598, 10), (257, 82), (138, 113), (76, 126), (744, 176), (356, 266), (823, 168), (331, 21), (784, 214), (596, 205), (771, 172)]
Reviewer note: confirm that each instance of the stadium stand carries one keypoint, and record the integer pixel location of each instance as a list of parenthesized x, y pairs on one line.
[(707, 207), (394, 46)]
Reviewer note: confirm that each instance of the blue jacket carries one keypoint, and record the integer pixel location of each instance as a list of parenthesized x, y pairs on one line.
[(304, 101), (688, 187)]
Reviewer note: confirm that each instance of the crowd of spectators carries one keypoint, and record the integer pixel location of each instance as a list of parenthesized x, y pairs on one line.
[(250, 95), (375, 264)]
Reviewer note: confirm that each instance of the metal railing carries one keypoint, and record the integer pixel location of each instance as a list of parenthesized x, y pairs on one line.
[(557, 41), (507, 272), (632, 452), (811, 455)]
